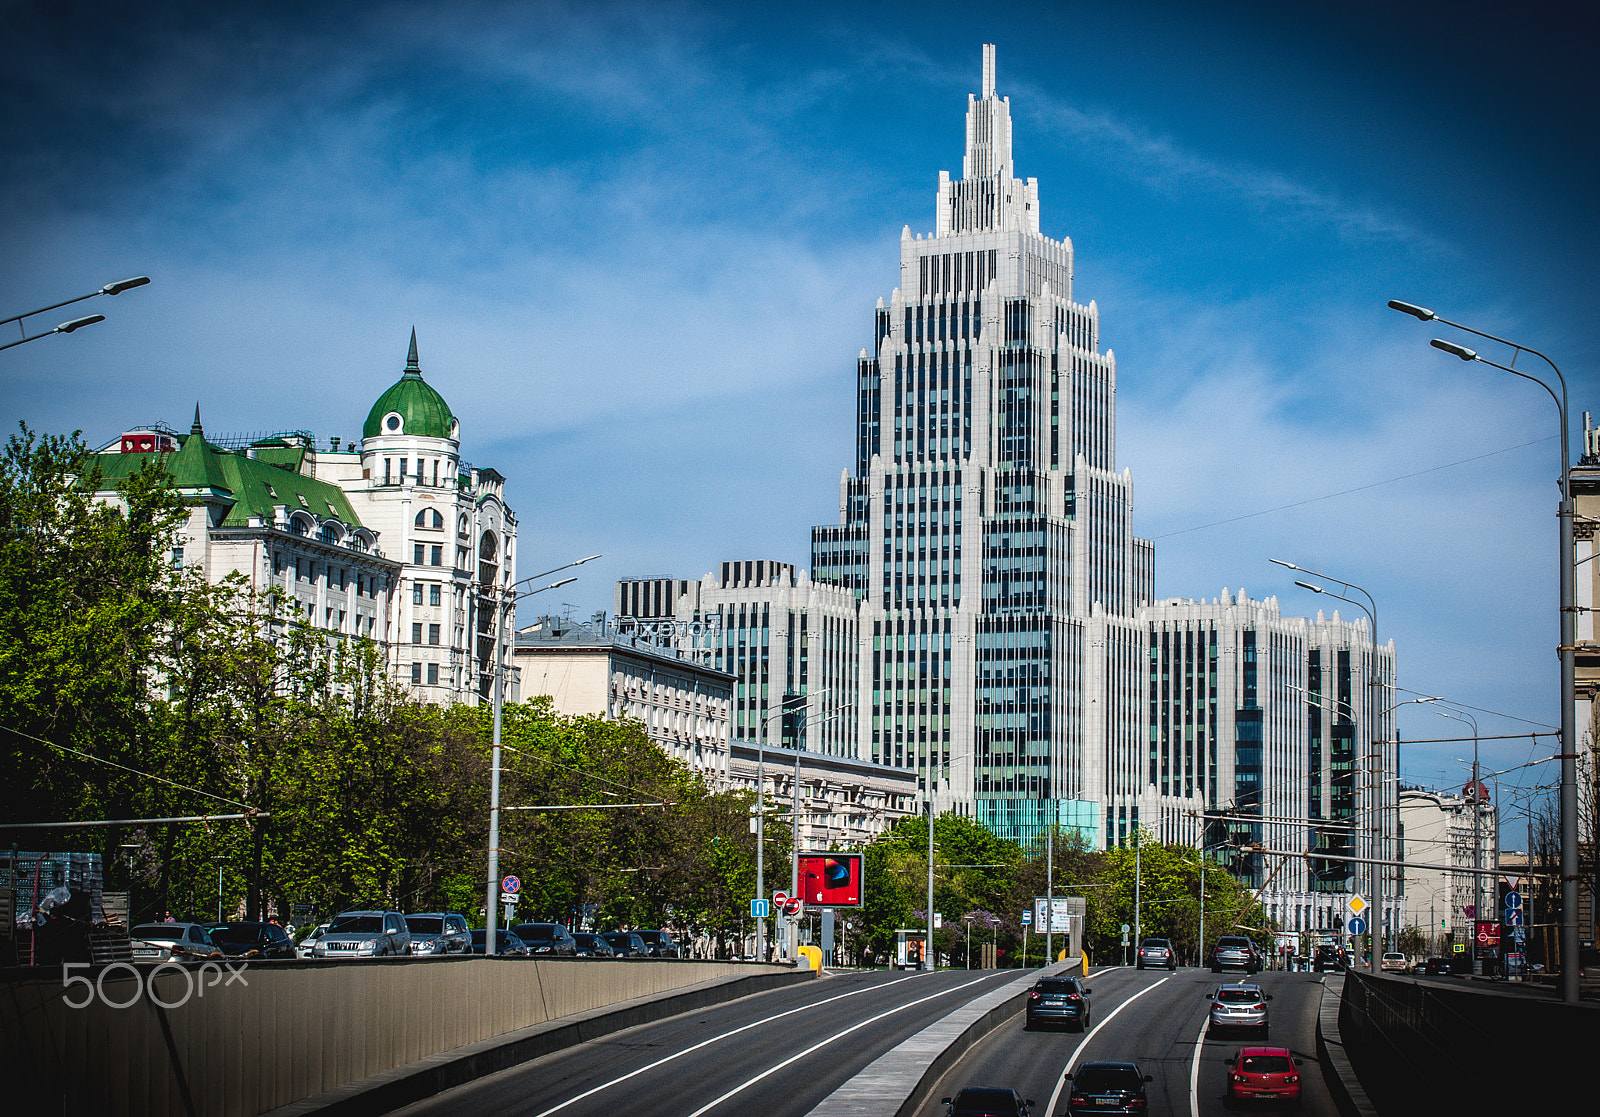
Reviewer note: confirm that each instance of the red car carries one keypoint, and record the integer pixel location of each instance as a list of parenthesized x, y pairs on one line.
[(1264, 1074)]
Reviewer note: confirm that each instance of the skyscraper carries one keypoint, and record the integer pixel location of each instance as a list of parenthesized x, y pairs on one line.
[(986, 530)]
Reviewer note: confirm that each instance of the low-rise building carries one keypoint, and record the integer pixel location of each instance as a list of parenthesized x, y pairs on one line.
[(1441, 843)]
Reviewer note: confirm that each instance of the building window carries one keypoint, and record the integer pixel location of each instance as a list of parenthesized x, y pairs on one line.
[(387, 477), (437, 555), (416, 554), (433, 634), (177, 556), (416, 674), (433, 594), (416, 593), (433, 674), (416, 632)]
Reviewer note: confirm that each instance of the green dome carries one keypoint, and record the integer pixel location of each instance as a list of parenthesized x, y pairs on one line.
[(423, 412)]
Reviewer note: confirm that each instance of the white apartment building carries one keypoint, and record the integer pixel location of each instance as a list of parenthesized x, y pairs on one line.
[(1277, 732), (986, 528)]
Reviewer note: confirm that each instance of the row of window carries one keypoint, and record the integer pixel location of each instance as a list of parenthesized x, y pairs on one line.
[(420, 474)]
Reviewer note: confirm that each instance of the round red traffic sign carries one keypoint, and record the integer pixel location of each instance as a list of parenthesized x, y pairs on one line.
[(779, 899), (794, 906)]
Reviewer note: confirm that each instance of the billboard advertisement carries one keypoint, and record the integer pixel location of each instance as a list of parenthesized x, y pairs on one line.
[(831, 880)]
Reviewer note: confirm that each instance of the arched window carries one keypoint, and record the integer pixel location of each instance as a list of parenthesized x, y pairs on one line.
[(300, 525), (330, 532), (429, 517), (463, 530), (488, 567)]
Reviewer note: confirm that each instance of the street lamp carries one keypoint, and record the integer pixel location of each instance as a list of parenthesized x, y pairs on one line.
[(116, 288), (1379, 845), (506, 596), (1477, 820), (1569, 632)]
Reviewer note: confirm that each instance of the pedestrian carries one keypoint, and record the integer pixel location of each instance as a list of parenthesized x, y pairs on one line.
[(167, 918)]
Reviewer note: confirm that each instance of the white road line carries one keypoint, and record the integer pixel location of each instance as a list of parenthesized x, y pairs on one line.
[(1055, 1095), (1194, 1068), (823, 1043), (723, 1036)]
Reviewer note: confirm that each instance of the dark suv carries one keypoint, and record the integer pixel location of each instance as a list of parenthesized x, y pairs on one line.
[(547, 939), (1058, 1000), (1234, 952), (660, 944), (1156, 952)]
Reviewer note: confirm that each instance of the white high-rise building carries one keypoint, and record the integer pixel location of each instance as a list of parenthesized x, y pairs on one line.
[(986, 529)]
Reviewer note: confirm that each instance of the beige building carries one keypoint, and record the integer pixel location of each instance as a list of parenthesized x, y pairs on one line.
[(1438, 841)]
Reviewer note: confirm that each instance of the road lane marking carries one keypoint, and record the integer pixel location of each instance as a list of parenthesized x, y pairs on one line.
[(1055, 1095), (1194, 1068), (725, 1035), (823, 1043)]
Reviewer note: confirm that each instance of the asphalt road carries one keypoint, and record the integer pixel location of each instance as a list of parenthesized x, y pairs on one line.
[(778, 1053), (1156, 1019)]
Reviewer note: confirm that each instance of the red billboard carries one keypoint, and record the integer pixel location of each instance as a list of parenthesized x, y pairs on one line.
[(1488, 933), (831, 880)]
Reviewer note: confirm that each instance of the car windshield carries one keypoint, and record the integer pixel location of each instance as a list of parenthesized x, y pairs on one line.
[(238, 932), (617, 938), (1057, 985), (347, 924), (1265, 1064), (536, 932), (1238, 996), (1093, 1079), (1232, 943), (425, 924), (652, 936), (164, 931)]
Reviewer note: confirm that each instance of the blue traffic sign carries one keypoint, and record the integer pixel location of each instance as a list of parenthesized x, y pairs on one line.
[(1513, 918), (1356, 926), (1513, 900), (1027, 918), (759, 908), (511, 884)]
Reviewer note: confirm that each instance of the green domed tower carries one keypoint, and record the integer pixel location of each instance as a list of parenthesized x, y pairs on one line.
[(411, 408)]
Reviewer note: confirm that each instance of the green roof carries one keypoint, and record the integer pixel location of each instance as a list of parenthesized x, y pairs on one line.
[(423, 411), (250, 486)]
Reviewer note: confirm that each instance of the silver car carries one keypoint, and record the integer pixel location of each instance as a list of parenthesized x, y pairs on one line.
[(1239, 1006), (364, 934), (309, 944), (172, 942), (436, 933)]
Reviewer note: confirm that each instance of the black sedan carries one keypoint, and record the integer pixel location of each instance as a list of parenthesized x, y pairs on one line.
[(1058, 1000), (591, 945), (1436, 967), (251, 940), (627, 944), (504, 943), (1108, 1088), (987, 1101)]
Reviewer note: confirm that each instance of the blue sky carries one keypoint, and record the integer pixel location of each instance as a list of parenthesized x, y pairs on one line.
[(641, 243)]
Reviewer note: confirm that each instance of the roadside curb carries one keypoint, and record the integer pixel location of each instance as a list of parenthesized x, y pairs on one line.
[(899, 1081), (389, 1090), (1337, 1071)]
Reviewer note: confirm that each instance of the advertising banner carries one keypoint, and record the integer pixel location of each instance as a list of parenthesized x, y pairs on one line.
[(831, 880)]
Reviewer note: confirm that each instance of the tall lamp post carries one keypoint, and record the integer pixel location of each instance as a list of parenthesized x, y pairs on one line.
[(116, 288), (505, 600), (1567, 647), (1379, 845)]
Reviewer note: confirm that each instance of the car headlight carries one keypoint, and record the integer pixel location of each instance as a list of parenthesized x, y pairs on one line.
[(367, 946)]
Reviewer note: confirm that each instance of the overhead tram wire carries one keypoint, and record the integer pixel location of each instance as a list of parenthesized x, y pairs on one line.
[(1347, 492)]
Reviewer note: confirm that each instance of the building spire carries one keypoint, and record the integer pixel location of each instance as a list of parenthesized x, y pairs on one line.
[(412, 368), (195, 427), (988, 69)]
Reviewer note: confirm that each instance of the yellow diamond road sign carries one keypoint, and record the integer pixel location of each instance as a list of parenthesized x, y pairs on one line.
[(1357, 905)]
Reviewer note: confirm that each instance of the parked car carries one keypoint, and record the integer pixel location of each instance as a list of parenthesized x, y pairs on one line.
[(309, 943), (660, 944), (1392, 962), (1109, 1088), (987, 1101), (1264, 1074), (505, 942), (1436, 967), (1234, 952), (1238, 1006), (1058, 1000), (627, 944), (364, 934), (437, 933), (1156, 952), (591, 945), (1328, 959), (551, 940), (172, 942), (251, 940)]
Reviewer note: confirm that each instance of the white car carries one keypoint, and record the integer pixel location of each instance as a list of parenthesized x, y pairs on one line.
[(172, 942), (1392, 962), (309, 943)]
